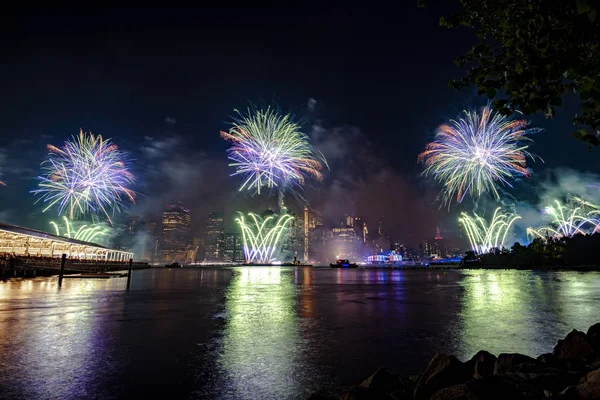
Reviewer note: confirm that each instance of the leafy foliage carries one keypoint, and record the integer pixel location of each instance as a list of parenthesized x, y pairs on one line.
[(579, 250), (530, 53)]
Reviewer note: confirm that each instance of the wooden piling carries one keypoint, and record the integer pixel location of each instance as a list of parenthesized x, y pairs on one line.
[(62, 269), (129, 273)]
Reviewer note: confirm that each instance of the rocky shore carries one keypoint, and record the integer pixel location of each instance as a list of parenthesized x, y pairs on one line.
[(570, 372)]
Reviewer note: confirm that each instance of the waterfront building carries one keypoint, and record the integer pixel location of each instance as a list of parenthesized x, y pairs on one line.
[(24, 242)]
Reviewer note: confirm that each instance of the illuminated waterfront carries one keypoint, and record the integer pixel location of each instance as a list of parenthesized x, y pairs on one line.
[(270, 332)]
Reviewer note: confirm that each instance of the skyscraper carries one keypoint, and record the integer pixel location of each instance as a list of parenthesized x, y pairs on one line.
[(344, 243), (233, 251), (306, 233), (176, 239), (150, 242), (214, 237), (440, 245)]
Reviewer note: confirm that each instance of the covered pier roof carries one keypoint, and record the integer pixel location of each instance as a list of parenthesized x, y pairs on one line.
[(22, 241)]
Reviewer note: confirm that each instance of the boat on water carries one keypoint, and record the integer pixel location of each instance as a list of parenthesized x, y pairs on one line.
[(173, 265), (343, 264)]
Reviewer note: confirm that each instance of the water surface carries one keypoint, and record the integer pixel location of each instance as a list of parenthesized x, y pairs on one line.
[(278, 332)]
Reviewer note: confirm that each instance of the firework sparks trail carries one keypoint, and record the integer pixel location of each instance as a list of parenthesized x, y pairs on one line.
[(85, 233), (483, 236), (88, 175), (475, 154), (261, 236), (576, 216), (269, 150)]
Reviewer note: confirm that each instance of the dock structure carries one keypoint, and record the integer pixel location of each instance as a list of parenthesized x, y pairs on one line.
[(24, 242), (25, 251)]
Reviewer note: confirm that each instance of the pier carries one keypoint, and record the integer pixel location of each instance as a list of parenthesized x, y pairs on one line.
[(29, 252), (33, 266)]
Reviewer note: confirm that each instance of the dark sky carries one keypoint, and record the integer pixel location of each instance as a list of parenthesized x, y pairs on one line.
[(379, 77)]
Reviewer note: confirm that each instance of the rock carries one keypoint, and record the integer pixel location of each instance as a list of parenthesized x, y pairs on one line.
[(387, 381), (362, 393), (575, 346), (568, 394), (588, 387), (503, 387), (544, 376), (593, 335), (508, 360), (546, 358), (456, 392), (322, 395), (483, 364), (442, 371)]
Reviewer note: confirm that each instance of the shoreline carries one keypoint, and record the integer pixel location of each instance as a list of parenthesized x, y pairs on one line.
[(570, 372)]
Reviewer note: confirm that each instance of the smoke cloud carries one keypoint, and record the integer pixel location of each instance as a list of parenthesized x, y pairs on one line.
[(556, 184), (359, 183)]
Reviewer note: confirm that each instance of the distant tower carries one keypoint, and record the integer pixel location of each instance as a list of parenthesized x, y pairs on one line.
[(438, 241), (306, 232), (175, 233), (214, 237)]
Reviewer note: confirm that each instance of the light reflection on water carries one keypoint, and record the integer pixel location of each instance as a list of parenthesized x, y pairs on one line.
[(260, 344), (278, 332)]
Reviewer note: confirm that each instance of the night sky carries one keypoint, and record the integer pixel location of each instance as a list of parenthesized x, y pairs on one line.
[(370, 84)]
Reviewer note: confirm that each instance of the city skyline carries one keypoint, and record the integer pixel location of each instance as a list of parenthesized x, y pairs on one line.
[(370, 137), (176, 241)]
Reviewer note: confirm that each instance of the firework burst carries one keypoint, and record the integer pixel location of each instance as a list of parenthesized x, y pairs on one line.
[(261, 236), (575, 217), (475, 154), (85, 232), (269, 150), (485, 236), (86, 176)]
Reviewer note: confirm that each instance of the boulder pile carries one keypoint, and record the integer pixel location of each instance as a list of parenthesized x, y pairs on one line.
[(570, 372)]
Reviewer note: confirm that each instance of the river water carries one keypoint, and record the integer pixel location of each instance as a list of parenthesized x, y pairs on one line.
[(270, 332)]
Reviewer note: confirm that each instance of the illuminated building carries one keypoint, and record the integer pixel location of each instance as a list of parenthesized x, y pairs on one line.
[(344, 243), (389, 257), (306, 233), (19, 241), (360, 228), (439, 244), (399, 248), (315, 236), (425, 249), (175, 243), (349, 220), (233, 251), (213, 238)]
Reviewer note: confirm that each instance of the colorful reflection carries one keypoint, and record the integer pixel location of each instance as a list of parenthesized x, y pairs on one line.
[(261, 350), (507, 311), (51, 339)]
